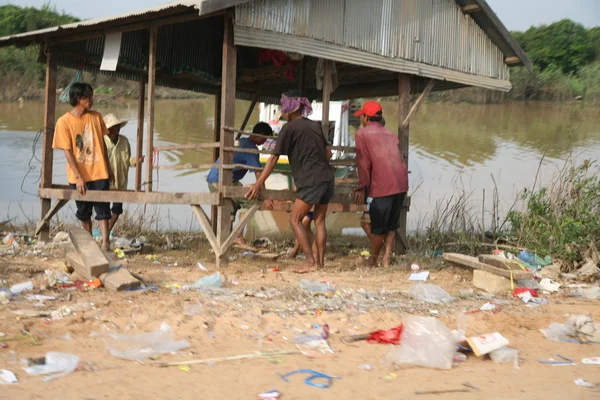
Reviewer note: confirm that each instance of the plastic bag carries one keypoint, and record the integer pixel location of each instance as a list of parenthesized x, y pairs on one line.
[(209, 281), (505, 355), (430, 293), (425, 342), (557, 332), (315, 287), (144, 345), (59, 364)]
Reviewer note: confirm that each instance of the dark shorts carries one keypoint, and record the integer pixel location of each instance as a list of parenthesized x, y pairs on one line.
[(317, 194), (385, 213), (117, 208), (84, 208)]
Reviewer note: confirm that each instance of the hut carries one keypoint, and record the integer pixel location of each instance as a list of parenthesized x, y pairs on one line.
[(257, 49)]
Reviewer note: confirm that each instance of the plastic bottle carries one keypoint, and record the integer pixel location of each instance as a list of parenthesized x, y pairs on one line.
[(21, 287)]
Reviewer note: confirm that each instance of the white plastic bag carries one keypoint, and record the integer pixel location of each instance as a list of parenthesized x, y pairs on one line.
[(59, 364), (425, 342), (430, 293), (557, 332), (144, 345), (505, 355)]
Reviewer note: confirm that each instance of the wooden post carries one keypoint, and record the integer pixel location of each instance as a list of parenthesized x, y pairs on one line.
[(139, 147), (327, 84), (216, 154), (228, 91), (403, 136), (47, 151), (151, 103), (302, 76)]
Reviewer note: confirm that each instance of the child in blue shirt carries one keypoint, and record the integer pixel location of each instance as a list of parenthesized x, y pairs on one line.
[(249, 159)]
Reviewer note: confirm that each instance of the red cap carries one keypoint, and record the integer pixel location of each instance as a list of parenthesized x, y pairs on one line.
[(370, 109)]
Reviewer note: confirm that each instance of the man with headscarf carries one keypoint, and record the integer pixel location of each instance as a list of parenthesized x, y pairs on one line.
[(303, 141)]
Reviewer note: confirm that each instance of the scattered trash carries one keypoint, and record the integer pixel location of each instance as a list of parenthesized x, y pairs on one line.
[(30, 313), (592, 293), (249, 254), (211, 361), (39, 297), (365, 367), (9, 240), (505, 355), (567, 361), (525, 296), (273, 394), (534, 260), (426, 342), (519, 291), (484, 344), (7, 377), (316, 287), (21, 287), (549, 285), (310, 379), (588, 271), (391, 376), (557, 332), (583, 383), (314, 343), (193, 309), (365, 253), (119, 253), (390, 336), (53, 277), (209, 281), (276, 269), (58, 364), (426, 392), (201, 267), (591, 361), (61, 237), (67, 310), (488, 307), (414, 267), (419, 276), (459, 357), (262, 243), (430, 293), (185, 368), (143, 345)]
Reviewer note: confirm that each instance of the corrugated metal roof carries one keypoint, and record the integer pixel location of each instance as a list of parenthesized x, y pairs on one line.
[(203, 7)]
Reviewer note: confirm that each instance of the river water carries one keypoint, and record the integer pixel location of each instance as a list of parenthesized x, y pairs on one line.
[(454, 148)]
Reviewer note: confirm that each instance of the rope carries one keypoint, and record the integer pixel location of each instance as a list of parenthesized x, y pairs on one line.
[(30, 165), (64, 96)]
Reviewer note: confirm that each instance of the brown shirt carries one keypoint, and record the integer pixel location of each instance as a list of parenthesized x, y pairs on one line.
[(381, 168), (303, 142)]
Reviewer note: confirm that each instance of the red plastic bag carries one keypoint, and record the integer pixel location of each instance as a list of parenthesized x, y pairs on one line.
[(518, 291), (391, 336)]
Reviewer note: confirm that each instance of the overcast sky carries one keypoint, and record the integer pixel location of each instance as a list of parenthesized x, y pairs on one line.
[(516, 14)]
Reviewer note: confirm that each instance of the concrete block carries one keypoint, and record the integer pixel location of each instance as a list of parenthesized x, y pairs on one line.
[(491, 283)]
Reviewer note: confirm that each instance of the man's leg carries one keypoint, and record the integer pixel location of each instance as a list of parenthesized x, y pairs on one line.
[(377, 242), (389, 245), (103, 213), (306, 222), (105, 233), (87, 226), (299, 211), (117, 210), (393, 216), (320, 214)]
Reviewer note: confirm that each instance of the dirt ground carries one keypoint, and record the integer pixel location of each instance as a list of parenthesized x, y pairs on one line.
[(262, 310)]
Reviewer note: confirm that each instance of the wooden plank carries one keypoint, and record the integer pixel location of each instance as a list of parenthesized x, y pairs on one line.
[(404, 87), (207, 228), (327, 87), (47, 151), (512, 60), (239, 228), (117, 196), (196, 146), (228, 91), (151, 105), (473, 262), (49, 215), (118, 278), (139, 144), (471, 8), (499, 262), (94, 261), (417, 105), (237, 192), (185, 166)]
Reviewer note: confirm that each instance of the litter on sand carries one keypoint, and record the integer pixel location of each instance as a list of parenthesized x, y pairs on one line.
[(583, 383), (484, 344), (273, 394), (7, 377), (310, 380), (56, 365), (419, 276)]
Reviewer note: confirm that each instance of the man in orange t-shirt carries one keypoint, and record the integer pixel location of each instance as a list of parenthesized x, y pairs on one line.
[(80, 134)]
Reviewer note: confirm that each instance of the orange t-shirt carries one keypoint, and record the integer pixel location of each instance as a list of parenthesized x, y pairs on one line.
[(83, 135)]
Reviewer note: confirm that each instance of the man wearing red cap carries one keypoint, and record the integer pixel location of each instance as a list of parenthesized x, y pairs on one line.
[(382, 175)]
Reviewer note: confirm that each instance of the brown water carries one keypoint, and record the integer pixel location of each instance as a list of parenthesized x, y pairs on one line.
[(453, 148)]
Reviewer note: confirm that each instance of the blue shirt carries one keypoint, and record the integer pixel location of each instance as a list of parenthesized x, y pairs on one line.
[(251, 160)]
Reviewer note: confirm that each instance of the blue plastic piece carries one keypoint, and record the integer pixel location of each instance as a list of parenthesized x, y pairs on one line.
[(314, 375)]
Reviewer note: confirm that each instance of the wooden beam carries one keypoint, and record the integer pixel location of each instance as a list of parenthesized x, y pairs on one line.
[(471, 8), (228, 91), (327, 86), (117, 196), (47, 151), (404, 87), (207, 228), (151, 105), (331, 208), (237, 192), (512, 60), (248, 115), (237, 230), (139, 144), (92, 258), (197, 146), (473, 262), (417, 105), (49, 215), (186, 166)]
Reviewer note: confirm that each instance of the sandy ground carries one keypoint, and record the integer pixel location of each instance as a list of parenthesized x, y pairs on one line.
[(268, 322)]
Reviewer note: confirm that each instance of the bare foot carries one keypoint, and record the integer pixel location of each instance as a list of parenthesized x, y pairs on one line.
[(373, 262), (386, 263), (305, 269)]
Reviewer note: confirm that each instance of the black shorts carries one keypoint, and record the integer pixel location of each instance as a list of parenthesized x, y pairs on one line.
[(84, 208), (321, 193), (117, 208), (385, 213)]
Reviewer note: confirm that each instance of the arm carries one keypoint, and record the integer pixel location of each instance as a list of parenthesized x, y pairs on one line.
[(111, 176), (328, 152), (268, 203), (363, 163), (255, 189), (73, 164)]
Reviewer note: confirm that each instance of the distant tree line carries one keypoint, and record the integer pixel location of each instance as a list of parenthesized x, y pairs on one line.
[(566, 58)]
